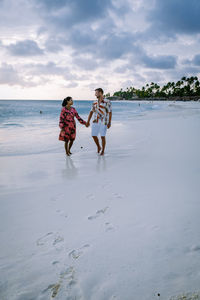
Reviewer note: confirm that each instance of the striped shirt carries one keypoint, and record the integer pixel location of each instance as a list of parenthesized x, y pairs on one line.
[(101, 111)]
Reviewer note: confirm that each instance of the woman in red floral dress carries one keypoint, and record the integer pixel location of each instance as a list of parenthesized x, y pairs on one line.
[(67, 124)]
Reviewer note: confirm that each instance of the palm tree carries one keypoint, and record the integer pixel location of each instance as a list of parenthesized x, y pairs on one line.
[(197, 87), (185, 87), (183, 78)]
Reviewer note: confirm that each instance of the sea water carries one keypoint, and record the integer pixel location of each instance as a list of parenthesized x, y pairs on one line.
[(31, 126)]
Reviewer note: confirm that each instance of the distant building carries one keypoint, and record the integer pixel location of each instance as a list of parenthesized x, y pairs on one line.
[(134, 97)]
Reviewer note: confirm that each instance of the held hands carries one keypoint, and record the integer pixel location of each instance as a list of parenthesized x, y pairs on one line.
[(88, 124)]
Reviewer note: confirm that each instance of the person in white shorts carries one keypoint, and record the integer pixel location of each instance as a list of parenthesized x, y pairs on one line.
[(102, 115)]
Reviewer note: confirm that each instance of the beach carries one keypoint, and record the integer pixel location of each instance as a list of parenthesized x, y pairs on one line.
[(123, 226)]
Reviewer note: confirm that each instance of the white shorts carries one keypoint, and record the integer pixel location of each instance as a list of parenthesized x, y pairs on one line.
[(99, 128)]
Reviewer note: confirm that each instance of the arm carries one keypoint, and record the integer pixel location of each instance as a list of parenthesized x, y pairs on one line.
[(89, 118), (110, 114), (61, 121), (79, 118), (110, 118)]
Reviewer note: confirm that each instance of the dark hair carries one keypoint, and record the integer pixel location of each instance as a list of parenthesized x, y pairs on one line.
[(100, 90), (65, 101)]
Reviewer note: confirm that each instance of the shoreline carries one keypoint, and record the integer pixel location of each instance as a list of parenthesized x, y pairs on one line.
[(174, 99), (121, 226)]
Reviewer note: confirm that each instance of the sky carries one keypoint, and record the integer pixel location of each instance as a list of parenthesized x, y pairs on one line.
[(50, 49)]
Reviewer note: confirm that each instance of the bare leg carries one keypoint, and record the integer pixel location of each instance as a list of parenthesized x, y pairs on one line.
[(67, 148), (70, 145), (103, 139), (96, 140)]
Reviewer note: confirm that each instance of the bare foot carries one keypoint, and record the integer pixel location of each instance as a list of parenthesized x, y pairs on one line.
[(68, 153), (98, 149), (102, 153)]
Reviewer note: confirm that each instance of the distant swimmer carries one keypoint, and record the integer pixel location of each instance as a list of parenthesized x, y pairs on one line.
[(40, 111)]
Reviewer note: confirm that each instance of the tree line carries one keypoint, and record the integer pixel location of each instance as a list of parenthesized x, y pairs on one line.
[(186, 87)]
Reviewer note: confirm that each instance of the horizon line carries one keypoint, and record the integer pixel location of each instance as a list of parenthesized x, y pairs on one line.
[(43, 99)]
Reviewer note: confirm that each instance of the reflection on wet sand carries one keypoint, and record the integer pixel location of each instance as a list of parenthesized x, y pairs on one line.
[(101, 164), (70, 171)]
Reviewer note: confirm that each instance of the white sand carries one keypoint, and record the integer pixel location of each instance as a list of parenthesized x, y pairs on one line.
[(124, 226)]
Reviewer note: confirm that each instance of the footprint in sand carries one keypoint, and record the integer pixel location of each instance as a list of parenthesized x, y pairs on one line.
[(67, 285), (117, 196), (50, 239), (90, 196), (98, 213), (54, 288), (56, 197), (187, 296), (67, 275), (61, 213), (53, 199), (75, 254), (55, 262), (106, 185), (155, 227), (109, 226)]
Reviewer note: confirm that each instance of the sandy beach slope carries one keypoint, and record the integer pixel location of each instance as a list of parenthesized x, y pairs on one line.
[(125, 226)]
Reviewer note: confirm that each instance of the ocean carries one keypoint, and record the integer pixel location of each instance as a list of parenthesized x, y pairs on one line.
[(31, 126)]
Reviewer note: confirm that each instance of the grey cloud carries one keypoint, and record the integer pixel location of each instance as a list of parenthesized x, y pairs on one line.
[(74, 20), (138, 77), (85, 63), (190, 71), (105, 45), (10, 76), (96, 84), (159, 62), (50, 69), (122, 69), (155, 76), (51, 4), (115, 46), (138, 57), (127, 84), (53, 45), (42, 30), (187, 71), (85, 39), (180, 16), (74, 12), (72, 85), (196, 60), (94, 38), (82, 39), (186, 61), (35, 74), (25, 48)]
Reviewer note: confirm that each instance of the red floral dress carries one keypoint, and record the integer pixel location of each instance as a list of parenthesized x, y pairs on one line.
[(67, 124)]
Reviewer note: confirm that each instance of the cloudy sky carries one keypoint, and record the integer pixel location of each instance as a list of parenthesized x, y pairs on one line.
[(53, 48)]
